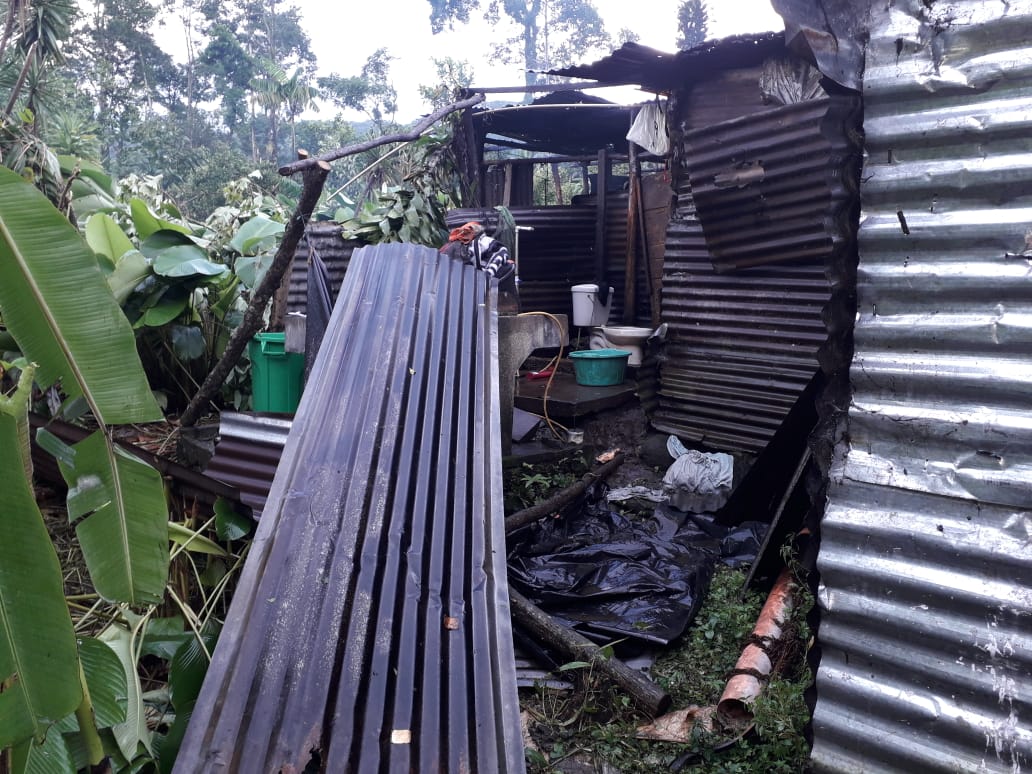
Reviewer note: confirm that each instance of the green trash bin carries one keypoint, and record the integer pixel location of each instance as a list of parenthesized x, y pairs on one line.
[(275, 374)]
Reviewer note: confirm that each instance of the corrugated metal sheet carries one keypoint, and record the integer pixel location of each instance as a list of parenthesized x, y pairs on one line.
[(247, 453), (743, 345), (761, 185), (559, 253), (658, 71), (335, 251), (926, 545), (370, 631), (191, 486)]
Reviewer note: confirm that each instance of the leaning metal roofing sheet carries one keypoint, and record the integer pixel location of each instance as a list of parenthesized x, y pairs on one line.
[(926, 546), (370, 630)]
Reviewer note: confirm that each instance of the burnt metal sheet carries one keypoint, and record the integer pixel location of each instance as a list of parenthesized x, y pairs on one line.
[(926, 545), (370, 630), (762, 186), (247, 453), (662, 72)]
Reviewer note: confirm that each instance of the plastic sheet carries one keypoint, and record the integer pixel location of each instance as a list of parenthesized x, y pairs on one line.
[(611, 577)]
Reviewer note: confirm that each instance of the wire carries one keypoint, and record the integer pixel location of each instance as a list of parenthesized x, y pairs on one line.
[(554, 365)]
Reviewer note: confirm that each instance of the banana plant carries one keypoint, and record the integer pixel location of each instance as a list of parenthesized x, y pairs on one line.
[(56, 303)]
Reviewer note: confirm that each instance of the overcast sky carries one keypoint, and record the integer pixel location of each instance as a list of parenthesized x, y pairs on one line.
[(345, 32)]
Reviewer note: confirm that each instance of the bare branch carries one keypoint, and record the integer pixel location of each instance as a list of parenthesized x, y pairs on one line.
[(407, 136)]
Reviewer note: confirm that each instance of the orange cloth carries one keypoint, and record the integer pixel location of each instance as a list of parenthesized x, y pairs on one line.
[(466, 233)]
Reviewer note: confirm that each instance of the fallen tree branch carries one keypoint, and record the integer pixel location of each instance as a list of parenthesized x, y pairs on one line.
[(313, 181), (407, 136), (561, 499), (544, 628)]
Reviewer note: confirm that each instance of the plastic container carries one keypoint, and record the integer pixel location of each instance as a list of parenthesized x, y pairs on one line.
[(588, 311), (275, 374), (599, 367)]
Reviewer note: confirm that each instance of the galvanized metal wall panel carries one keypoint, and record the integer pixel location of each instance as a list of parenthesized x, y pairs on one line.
[(556, 255), (926, 545), (370, 630), (247, 453), (559, 253)]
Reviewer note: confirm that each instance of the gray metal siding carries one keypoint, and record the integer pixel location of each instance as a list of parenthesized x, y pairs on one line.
[(370, 630), (926, 545)]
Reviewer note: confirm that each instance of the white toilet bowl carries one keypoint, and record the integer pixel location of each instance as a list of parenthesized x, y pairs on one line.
[(626, 337)]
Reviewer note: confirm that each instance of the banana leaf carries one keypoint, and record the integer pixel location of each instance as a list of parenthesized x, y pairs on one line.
[(39, 668), (56, 303), (106, 237), (119, 503)]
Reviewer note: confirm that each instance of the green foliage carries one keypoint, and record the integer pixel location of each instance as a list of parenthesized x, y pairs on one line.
[(692, 23), (57, 305), (38, 668), (595, 720), (452, 76), (528, 484), (400, 214)]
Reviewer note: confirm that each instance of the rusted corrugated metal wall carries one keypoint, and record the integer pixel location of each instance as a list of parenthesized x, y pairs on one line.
[(247, 453), (335, 252), (743, 344), (926, 545), (760, 185), (370, 630), (559, 253)]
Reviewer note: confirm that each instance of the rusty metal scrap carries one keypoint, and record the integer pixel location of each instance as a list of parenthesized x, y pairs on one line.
[(370, 631)]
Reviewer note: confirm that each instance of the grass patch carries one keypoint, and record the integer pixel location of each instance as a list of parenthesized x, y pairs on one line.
[(598, 722)]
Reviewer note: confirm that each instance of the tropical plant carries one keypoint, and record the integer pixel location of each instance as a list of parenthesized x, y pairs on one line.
[(66, 322), (69, 701)]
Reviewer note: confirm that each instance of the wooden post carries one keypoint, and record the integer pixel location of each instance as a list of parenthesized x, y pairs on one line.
[(600, 226), (631, 265)]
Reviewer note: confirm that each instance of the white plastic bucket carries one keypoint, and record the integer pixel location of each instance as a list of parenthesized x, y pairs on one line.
[(587, 310)]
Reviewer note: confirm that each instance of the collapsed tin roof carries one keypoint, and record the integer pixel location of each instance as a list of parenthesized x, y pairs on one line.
[(370, 630)]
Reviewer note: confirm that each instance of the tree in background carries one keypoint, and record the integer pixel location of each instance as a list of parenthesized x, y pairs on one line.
[(553, 33), (453, 76), (370, 92), (692, 21)]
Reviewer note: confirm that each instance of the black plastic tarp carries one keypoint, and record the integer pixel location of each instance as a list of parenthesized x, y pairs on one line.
[(610, 576)]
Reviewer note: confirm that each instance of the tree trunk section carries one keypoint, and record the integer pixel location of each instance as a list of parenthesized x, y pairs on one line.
[(544, 628), (314, 179)]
